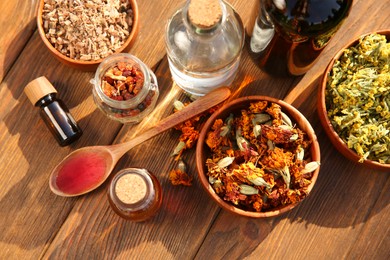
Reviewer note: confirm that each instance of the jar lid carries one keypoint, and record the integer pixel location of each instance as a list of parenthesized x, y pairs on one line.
[(204, 14), (38, 88), (131, 188)]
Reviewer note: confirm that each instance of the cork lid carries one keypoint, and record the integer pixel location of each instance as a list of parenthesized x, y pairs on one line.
[(204, 14), (38, 88)]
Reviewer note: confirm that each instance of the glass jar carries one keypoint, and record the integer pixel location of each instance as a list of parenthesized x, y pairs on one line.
[(135, 194), (204, 49), (289, 35), (125, 109)]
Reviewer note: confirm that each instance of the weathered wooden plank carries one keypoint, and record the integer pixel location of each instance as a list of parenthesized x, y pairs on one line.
[(17, 24)]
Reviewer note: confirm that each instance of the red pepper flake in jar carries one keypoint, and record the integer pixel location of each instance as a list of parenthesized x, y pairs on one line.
[(122, 82)]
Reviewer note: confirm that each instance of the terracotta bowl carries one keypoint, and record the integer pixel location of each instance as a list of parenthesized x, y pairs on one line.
[(203, 151), (340, 145), (87, 65)]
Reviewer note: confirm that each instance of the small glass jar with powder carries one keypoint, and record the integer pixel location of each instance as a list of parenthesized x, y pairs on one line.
[(135, 194)]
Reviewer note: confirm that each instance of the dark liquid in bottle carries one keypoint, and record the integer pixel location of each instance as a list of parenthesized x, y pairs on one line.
[(302, 29)]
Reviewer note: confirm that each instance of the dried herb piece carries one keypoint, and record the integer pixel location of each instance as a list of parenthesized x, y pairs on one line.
[(189, 135), (180, 176)]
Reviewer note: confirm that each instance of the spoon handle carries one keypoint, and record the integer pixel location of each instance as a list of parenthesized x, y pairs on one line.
[(195, 108)]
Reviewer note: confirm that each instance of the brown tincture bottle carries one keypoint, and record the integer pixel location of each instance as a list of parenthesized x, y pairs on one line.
[(135, 194), (53, 111), (289, 35)]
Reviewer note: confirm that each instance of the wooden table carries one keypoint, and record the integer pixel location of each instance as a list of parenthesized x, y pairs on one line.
[(346, 216)]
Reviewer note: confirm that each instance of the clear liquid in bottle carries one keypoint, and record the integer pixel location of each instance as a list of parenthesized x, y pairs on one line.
[(204, 50)]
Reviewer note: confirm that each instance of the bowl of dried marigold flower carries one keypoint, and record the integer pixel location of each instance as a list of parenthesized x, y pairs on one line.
[(354, 100), (257, 157), (82, 33)]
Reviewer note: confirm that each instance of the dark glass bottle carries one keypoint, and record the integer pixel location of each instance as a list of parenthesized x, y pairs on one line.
[(289, 35), (53, 111)]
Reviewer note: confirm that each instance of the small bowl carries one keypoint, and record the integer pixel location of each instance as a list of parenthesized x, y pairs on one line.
[(87, 65), (203, 151), (340, 145)]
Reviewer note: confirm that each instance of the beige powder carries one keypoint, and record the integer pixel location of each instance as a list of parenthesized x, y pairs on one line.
[(130, 188)]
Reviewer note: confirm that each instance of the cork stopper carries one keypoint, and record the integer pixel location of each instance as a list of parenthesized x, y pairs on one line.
[(131, 188), (38, 88), (204, 14)]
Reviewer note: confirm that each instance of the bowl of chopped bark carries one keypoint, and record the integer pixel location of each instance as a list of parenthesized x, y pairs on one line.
[(81, 33), (354, 100), (257, 157)]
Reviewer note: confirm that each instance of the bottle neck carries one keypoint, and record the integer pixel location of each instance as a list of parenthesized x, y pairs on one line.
[(45, 100)]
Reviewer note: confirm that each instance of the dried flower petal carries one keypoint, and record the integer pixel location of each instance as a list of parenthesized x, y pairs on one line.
[(300, 153), (257, 130), (178, 177), (248, 190), (285, 172), (225, 162), (311, 167), (260, 182), (261, 118), (286, 119), (178, 105), (179, 148)]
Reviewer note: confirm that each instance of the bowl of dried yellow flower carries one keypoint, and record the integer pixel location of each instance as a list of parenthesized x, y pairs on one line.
[(257, 157), (354, 100), (82, 33)]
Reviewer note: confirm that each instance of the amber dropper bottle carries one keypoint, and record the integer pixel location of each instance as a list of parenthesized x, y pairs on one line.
[(53, 111)]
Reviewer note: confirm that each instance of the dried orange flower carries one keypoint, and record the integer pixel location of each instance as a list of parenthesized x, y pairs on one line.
[(179, 176), (258, 107), (189, 129)]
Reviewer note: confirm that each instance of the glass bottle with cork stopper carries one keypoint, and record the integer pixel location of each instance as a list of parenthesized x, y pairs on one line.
[(204, 41), (135, 194), (53, 111)]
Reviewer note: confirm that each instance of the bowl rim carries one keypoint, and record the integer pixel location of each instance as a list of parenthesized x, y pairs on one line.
[(288, 109), (126, 45), (335, 139)]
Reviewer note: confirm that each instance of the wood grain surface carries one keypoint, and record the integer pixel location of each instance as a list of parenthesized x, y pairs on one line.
[(347, 215)]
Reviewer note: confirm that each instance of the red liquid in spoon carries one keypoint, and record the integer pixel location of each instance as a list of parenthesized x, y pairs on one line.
[(81, 173)]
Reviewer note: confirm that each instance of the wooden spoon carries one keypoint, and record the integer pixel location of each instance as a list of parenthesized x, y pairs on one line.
[(87, 168)]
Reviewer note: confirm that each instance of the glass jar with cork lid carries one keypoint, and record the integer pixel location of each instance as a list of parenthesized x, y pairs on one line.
[(124, 88), (204, 41), (135, 194)]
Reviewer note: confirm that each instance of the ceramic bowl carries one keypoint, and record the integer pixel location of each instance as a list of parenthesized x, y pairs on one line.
[(339, 144), (203, 151), (87, 65)]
